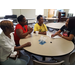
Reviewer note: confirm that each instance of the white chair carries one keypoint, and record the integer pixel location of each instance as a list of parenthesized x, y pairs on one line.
[(35, 62)]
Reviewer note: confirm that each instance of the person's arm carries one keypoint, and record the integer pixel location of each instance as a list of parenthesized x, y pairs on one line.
[(71, 36), (21, 34), (44, 33), (57, 33), (22, 46), (29, 28)]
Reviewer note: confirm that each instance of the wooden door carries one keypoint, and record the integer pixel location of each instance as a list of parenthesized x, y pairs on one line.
[(50, 13)]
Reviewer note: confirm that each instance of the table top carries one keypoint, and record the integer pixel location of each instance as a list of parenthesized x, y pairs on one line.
[(58, 47), (51, 18), (6, 19), (55, 25), (30, 18)]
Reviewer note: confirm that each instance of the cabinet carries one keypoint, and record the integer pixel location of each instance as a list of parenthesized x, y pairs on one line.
[(62, 16)]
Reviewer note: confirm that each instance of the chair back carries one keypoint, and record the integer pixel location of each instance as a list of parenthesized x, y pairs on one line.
[(35, 62), (72, 58), (13, 17)]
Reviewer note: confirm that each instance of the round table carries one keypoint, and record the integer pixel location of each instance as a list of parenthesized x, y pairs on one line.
[(50, 19), (52, 47), (55, 25)]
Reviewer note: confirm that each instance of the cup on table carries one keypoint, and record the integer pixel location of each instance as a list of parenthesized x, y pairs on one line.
[(47, 33), (41, 38), (31, 34), (37, 32)]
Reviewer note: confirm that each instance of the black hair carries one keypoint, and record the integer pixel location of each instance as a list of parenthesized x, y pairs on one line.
[(38, 17), (71, 23), (20, 18)]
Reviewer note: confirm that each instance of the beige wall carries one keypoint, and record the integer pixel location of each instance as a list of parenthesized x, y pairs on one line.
[(28, 12), (31, 13), (16, 11)]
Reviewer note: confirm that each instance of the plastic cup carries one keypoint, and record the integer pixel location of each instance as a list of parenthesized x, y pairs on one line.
[(47, 33), (31, 34), (37, 32)]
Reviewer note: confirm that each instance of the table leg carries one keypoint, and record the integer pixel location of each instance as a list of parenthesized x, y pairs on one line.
[(43, 58)]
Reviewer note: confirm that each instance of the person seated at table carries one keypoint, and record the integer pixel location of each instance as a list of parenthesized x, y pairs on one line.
[(21, 29), (8, 50), (68, 30), (40, 26)]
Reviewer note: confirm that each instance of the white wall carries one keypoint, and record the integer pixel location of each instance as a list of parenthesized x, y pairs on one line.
[(28, 13), (67, 11), (31, 13), (16, 11)]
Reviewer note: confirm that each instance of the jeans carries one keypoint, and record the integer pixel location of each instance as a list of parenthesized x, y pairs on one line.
[(23, 60)]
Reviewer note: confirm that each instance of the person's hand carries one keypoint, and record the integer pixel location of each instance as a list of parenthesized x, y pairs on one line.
[(52, 35), (60, 35), (18, 53), (31, 29), (27, 44)]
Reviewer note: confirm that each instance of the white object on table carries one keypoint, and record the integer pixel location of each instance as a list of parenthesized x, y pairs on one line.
[(37, 32), (13, 54)]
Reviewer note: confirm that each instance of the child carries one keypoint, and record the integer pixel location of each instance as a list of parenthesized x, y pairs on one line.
[(40, 26), (68, 30)]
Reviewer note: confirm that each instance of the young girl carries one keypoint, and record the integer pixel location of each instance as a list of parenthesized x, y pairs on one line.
[(40, 26), (68, 30)]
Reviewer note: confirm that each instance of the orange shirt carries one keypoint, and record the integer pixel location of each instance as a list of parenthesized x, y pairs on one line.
[(16, 37)]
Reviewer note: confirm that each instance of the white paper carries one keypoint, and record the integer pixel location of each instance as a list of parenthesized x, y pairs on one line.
[(13, 54), (55, 36)]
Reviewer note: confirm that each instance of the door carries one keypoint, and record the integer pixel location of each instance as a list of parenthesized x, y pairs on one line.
[(50, 13)]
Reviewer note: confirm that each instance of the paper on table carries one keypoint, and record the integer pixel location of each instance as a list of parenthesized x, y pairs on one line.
[(55, 36)]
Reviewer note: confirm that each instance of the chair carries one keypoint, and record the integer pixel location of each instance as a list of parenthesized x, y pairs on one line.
[(70, 15), (13, 17), (74, 40), (35, 62), (72, 58)]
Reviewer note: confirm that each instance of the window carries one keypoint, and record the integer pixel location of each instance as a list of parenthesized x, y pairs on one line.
[(39, 11), (4, 12)]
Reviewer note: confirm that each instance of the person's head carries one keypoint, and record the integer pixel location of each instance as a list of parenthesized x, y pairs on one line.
[(40, 19), (21, 19), (70, 23), (7, 26)]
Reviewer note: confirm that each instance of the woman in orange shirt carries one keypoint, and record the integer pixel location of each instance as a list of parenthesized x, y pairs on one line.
[(21, 29)]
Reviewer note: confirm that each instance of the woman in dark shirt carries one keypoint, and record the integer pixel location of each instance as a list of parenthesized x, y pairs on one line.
[(68, 30)]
